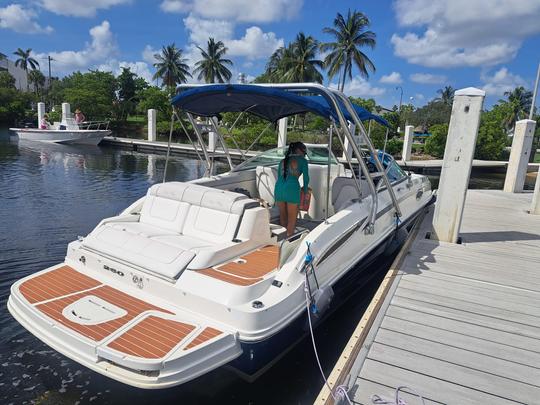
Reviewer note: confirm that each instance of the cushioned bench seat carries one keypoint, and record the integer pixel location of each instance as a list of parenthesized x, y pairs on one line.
[(183, 225)]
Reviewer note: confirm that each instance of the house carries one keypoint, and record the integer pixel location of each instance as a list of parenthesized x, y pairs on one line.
[(20, 75)]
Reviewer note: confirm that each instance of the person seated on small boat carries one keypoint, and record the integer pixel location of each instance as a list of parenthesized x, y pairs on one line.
[(79, 116), (44, 123), (287, 189)]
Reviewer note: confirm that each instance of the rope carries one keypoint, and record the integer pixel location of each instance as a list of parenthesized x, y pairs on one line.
[(377, 399), (341, 392)]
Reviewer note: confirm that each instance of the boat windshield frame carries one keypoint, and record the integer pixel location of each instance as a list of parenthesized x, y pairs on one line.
[(272, 157)]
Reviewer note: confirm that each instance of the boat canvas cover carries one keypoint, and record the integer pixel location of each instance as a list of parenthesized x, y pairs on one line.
[(266, 102)]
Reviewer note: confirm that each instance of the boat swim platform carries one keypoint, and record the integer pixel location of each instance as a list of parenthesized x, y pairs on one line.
[(456, 323)]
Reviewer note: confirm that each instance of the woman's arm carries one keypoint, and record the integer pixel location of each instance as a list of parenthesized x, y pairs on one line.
[(305, 173)]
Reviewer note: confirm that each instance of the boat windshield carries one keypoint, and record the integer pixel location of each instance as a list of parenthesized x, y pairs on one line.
[(316, 154)]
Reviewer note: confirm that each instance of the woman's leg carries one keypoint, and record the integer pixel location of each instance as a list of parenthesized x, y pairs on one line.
[(292, 212), (282, 213)]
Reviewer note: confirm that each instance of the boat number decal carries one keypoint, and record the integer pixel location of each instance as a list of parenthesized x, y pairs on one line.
[(118, 272)]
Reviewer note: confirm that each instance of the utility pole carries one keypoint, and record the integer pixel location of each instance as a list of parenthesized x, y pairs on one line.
[(535, 92), (49, 59), (400, 101)]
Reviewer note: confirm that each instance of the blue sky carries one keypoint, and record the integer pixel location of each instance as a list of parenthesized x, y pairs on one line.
[(422, 45)]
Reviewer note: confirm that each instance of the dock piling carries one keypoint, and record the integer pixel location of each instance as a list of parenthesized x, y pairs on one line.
[(535, 206), (152, 118), (457, 164), (282, 132), (519, 156), (66, 111), (40, 112), (407, 143)]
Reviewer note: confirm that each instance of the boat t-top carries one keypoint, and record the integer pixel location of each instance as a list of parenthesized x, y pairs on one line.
[(67, 132), (197, 275)]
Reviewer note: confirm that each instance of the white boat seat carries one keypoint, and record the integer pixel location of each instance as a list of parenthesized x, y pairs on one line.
[(265, 181), (183, 225), (344, 192)]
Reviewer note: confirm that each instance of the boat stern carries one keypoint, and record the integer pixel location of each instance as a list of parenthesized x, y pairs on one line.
[(117, 334)]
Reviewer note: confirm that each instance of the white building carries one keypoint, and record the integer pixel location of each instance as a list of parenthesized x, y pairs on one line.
[(21, 78)]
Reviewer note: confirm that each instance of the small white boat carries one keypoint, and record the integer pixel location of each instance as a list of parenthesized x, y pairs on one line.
[(66, 132), (197, 275)]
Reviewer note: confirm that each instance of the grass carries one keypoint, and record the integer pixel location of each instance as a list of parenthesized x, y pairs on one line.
[(537, 158), (137, 118)]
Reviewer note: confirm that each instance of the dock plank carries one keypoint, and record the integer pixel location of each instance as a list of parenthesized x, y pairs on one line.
[(446, 351), (459, 375), (462, 340), (429, 387), (466, 327)]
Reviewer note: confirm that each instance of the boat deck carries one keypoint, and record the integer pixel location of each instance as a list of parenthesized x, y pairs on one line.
[(457, 323), (141, 330)]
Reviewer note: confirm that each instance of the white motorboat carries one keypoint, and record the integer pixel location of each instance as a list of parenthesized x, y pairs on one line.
[(197, 275), (67, 132)]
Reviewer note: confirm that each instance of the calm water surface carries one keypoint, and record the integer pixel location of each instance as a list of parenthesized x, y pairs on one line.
[(49, 194)]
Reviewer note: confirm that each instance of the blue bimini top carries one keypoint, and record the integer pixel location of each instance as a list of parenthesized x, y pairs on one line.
[(266, 102)]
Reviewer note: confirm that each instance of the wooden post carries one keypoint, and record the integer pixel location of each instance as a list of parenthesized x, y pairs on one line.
[(458, 157), (282, 132), (407, 143), (535, 206), (152, 118), (519, 156)]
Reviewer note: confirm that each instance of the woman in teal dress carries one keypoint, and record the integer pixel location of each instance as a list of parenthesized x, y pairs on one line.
[(287, 190)]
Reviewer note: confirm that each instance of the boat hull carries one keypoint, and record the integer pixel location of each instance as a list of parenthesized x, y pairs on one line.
[(257, 357), (80, 137)]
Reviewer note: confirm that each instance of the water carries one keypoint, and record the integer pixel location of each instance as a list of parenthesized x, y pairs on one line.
[(49, 194)]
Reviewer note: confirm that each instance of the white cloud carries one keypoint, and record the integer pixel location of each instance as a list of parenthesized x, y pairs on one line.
[(139, 68), (102, 48), (360, 87), (82, 8), (237, 10), (19, 19), (501, 81), (427, 78), (464, 32), (392, 78), (254, 44), (175, 6), (200, 29), (148, 54)]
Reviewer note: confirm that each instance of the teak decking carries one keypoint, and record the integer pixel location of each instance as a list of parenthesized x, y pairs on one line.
[(460, 324), (249, 269), (151, 337)]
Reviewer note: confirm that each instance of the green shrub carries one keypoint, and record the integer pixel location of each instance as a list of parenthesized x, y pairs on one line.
[(436, 143)]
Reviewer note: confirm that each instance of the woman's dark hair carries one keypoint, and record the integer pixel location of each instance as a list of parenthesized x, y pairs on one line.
[(293, 146)]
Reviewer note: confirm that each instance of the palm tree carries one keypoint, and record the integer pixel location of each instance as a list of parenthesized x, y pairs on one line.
[(349, 36), (299, 61), (520, 100), (37, 79), (446, 95), (212, 67), (171, 67), (25, 60)]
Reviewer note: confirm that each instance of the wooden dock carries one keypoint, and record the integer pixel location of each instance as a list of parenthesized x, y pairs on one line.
[(457, 323)]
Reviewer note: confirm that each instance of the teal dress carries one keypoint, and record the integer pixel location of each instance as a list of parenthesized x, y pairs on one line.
[(288, 189)]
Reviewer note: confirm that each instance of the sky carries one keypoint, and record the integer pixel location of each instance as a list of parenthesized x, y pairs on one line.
[(422, 45)]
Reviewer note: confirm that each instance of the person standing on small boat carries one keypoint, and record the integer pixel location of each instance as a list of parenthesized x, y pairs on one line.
[(44, 123), (287, 190), (79, 117)]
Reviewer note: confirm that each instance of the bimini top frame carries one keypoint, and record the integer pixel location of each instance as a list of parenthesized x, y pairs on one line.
[(275, 101)]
